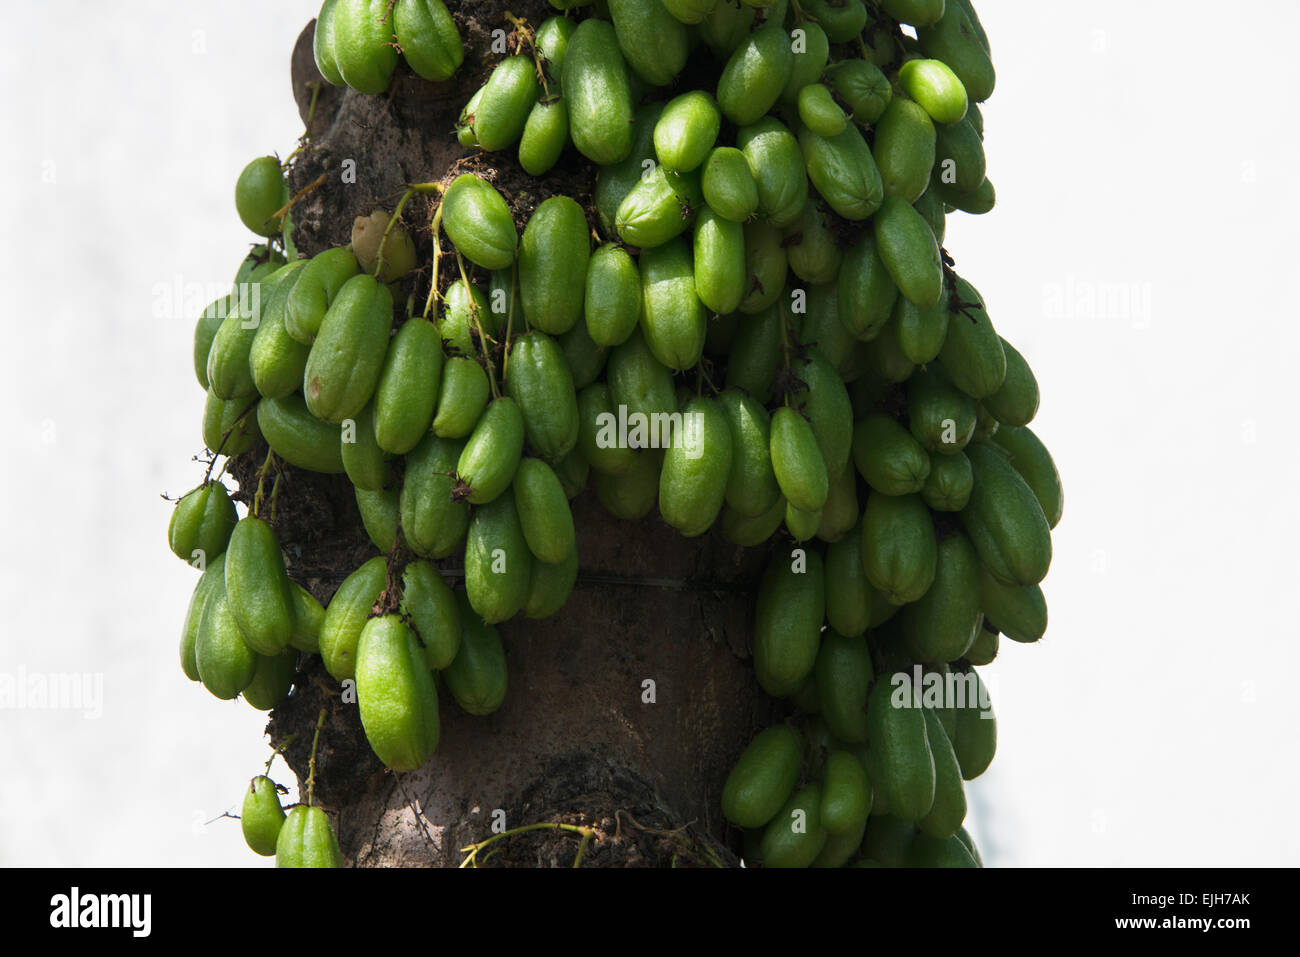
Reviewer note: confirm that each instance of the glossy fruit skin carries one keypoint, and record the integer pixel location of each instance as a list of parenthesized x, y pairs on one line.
[(949, 808), (307, 618), (211, 581), (866, 290), (299, 437), (550, 585), (959, 157), (719, 262), (776, 163), (229, 372), (477, 679), (225, 663), (396, 695), (277, 360), (921, 332), (863, 88), (751, 488), (795, 836), (612, 295), (787, 622), (1019, 612), (540, 386), (844, 172), (942, 418), (261, 816), (597, 92), (975, 740), (755, 75), (427, 34), (814, 252), (826, 403), (933, 85), (948, 486), (478, 222), (943, 623), (553, 261), (633, 494), (689, 11), (653, 41), (728, 185), (597, 440), (1004, 520), (543, 511), (972, 353), (366, 464), (953, 39), (380, 516), (615, 181), (673, 319), (307, 840), (490, 456), (230, 427), (1015, 403), (272, 680), (899, 551), (433, 525), (797, 461), (545, 135), (891, 460), (347, 357), (408, 387), (687, 130), (362, 46), (257, 586), (844, 676), (901, 750), (696, 467), (462, 397), (345, 616), (202, 521), (909, 251), (433, 613), (763, 778), (259, 193), (323, 43), (312, 294), (658, 207), (498, 562), (1030, 458), (904, 149), (846, 793)]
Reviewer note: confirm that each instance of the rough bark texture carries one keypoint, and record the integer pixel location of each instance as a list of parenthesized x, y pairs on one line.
[(576, 740)]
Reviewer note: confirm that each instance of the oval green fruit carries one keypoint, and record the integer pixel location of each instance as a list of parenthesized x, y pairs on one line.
[(728, 185), (347, 357), (298, 437), (258, 588), (1004, 520), (899, 746), (490, 456), (763, 778), (396, 695), (260, 192), (427, 34), (696, 468), (363, 44), (612, 295), (844, 676), (307, 840), (672, 316), (261, 816), (943, 623), (498, 562), (477, 679), (891, 460), (201, 523), (478, 222), (909, 251), (346, 615), (777, 166), (225, 663), (553, 258), (755, 75), (433, 521), (540, 387), (543, 511), (788, 620), (597, 91), (1030, 458), (899, 551), (797, 461), (434, 615)]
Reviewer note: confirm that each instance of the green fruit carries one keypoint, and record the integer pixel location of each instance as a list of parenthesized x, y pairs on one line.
[(490, 456), (314, 292), (908, 249), (918, 13), (307, 840), (396, 695), (825, 402), (813, 250), (653, 41), (638, 381), (632, 494), (230, 427), (763, 778), (596, 89), (552, 42), (766, 264), (612, 295), (751, 488), (802, 525), (1017, 611), (477, 679), (543, 511), (844, 676), (205, 330), (797, 461), (434, 616), (261, 816), (433, 522), (478, 222), (954, 39), (308, 615), (658, 207), (749, 531), (212, 580), (573, 471), (972, 353), (844, 172), (546, 133), (347, 357), (888, 457), (948, 486), (959, 157), (614, 182), (887, 839), (899, 551), (796, 835), (777, 166), (225, 663), (540, 387), (811, 48), (934, 212), (298, 437), (1030, 458), (920, 332), (428, 37), (866, 290), (976, 737), (257, 587), (260, 192), (498, 562), (689, 11), (846, 794), (899, 746), (841, 511), (364, 461), (363, 44), (465, 308), (934, 85), (272, 680), (821, 327), (550, 585), (755, 75), (719, 266), (904, 149), (1016, 400), (597, 431), (985, 647), (843, 20), (755, 354), (323, 44), (201, 524), (229, 371), (941, 417), (380, 516), (686, 131), (1004, 520), (927, 851), (696, 468), (508, 97), (346, 614), (275, 359), (462, 397), (863, 88), (840, 848), (788, 621), (553, 265), (726, 27), (942, 624), (728, 185), (672, 316)]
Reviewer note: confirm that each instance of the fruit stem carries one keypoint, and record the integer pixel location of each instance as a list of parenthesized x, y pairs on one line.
[(318, 182), (483, 337), (437, 257), (586, 832), (311, 763), (261, 479), (510, 324), (276, 753), (392, 220)]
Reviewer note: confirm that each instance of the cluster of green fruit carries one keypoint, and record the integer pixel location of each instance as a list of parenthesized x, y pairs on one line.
[(768, 292)]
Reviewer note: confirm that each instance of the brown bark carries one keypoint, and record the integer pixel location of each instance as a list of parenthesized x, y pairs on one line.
[(575, 740)]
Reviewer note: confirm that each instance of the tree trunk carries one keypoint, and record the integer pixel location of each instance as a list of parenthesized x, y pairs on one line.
[(627, 708)]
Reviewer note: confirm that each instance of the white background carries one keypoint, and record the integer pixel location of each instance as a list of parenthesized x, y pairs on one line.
[(1141, 257)]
